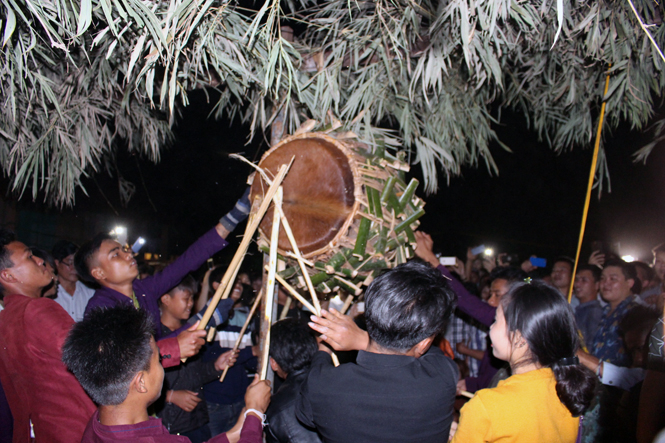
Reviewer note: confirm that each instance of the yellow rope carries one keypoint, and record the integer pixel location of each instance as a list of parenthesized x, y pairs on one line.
[(592, 175)]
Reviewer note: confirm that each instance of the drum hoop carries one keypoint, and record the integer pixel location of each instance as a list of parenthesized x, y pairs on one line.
[(351, 157)]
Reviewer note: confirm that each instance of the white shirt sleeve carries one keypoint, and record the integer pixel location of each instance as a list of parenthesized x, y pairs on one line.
[(624, 378)]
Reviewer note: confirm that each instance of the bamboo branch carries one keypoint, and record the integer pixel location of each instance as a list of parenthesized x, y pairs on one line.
[(243, 329), (270, 294), (295, 294), (285, 310)]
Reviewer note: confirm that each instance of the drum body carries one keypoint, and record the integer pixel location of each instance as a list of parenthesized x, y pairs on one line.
[(350, 210)]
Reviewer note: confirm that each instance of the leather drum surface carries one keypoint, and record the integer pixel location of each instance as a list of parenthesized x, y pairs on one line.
[(318, 191)]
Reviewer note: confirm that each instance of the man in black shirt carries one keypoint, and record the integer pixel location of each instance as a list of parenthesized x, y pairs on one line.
[(400, 389)]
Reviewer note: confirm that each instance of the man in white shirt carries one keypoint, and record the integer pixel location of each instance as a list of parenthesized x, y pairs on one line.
[(73, 295)]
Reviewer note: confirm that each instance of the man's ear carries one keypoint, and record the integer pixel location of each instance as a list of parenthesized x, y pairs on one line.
[(422, 347), (138, 383), (215, 285), (165, 299), (97, 273), (273, 365), (6, 276)]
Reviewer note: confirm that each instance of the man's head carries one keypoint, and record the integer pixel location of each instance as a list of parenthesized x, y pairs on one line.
[(20, 271), (180, 300), (113, 355), (587, 283), (292, 346), (104, 261), (635, 328), (63, 254), (645, 274), (562, 271), (408, 305), (659, 261), (502, 277), (618, 282)]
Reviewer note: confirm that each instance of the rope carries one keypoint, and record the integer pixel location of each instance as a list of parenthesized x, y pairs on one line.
[(592, 175)]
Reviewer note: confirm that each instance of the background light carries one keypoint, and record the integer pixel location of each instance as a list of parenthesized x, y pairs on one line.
[(628, 258), (489, 251)]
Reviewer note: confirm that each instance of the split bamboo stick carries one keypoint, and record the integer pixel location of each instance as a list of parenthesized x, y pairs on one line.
[(256, 304), (270, 293)]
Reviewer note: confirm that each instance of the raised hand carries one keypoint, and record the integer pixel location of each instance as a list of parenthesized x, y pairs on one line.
[(191, 340), (339, 331)]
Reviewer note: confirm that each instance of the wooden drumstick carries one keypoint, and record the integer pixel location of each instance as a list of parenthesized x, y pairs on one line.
[(305, 273), (233, 268), (224, 288), (466, 394), (347, 304), (285, 309), (256, 304), (295, 294), (270, 293)]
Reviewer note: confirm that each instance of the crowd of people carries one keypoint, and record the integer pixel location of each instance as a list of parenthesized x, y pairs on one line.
[(96, 348)]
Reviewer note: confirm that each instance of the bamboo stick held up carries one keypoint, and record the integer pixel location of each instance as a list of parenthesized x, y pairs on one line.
[(256, 304)]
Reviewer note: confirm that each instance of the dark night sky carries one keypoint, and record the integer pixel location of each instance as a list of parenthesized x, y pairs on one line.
[(533, 206)]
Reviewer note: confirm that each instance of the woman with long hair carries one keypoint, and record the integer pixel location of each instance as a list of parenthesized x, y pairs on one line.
[(549, 391)]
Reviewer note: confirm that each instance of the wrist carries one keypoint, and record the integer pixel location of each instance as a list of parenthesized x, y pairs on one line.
[(258, 414)]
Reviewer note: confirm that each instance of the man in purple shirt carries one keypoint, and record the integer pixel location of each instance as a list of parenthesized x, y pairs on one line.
[(105, 262)]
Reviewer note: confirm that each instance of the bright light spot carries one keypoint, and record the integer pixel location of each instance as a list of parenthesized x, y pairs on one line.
[(119, 230), (141, 240), (489, 251), (628, 258)]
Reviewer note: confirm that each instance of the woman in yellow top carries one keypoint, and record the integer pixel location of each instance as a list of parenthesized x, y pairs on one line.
[(534, 330)]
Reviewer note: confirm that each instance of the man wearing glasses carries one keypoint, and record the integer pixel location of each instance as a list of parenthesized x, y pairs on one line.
[(73, 295)]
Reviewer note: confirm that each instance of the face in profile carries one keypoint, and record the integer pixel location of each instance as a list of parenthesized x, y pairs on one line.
[(27, 269), (114, 263)]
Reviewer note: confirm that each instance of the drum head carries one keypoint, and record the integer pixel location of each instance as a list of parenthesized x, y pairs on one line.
[(319, 191)]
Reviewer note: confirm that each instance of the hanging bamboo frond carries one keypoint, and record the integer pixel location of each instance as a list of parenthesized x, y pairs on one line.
[(78, 78)]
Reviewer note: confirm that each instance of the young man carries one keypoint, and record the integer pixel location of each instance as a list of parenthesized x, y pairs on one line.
[(589, 312), (400, 388), (33, 329), (183, 409), (562, 272), (292, 347), (112, 266), (618, 284), (113, 354), (73, 295)]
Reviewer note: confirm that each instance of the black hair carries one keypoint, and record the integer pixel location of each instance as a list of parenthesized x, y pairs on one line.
[(646, 268), (564, 259), (595, 271), (44, 255), (407, 304), (509, 273), (6, 237), (216, 276), (629, 272), (292, 344), (63, 249), (85, 255), (107, 349), (546, 321), (188, 283)]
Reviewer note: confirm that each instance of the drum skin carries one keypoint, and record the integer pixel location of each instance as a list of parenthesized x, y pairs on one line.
[(320, 191)]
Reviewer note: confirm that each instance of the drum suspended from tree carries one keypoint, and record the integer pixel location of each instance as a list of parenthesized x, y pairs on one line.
[(350, 210)]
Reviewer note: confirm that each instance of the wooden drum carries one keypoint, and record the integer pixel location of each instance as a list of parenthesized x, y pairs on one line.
[(349, 209)]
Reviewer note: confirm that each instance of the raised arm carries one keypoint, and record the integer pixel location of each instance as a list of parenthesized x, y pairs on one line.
[(466, 302)]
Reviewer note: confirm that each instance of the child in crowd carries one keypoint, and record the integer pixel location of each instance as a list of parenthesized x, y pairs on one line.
[(182, 408), (114, 356), (549, 390)]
